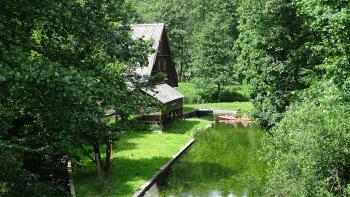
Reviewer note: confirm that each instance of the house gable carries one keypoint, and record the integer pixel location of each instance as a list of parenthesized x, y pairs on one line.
[(161, 60)]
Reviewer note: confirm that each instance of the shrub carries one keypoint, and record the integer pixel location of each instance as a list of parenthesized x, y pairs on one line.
[(309, 152), (233, 93)]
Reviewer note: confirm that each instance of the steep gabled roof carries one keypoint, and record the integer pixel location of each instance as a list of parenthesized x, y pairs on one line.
[(164, 93), (150, 32)]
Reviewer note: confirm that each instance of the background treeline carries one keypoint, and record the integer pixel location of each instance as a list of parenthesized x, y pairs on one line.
[(202, 34), (295, 55)]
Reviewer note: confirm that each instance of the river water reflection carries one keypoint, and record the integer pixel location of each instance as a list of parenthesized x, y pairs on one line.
[(224, 162)]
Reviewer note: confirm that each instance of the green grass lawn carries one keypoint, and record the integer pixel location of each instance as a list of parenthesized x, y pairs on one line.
[(136, 157), (245, 107), (190, 91)]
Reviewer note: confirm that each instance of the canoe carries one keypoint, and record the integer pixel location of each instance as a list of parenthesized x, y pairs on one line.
[(228, 118)]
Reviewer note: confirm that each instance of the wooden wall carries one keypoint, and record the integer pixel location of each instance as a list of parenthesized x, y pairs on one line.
[(164, 62)]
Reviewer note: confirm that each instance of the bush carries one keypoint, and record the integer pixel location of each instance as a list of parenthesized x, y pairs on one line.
[(309, 152), (19, 175), (233, 93)]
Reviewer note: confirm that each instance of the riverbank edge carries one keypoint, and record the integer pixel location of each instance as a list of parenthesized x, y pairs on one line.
[(145, 187), (148, 184)]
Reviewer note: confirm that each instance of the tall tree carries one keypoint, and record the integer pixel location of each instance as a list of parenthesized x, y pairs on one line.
[(62, 65), (308, 152), (273, 55), (213, 59), (329, 21)]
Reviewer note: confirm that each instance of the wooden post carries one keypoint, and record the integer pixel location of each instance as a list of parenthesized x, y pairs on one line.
[(214, 121), (161, 122), (182, 113), (173, 117), (70, 177), (116, 117), (108, 155)]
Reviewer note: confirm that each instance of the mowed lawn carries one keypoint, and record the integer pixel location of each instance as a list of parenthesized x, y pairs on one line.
[(245, 107), (136, 157)]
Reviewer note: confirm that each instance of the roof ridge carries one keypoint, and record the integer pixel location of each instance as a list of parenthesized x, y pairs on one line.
[(152, 32), (164, 93)]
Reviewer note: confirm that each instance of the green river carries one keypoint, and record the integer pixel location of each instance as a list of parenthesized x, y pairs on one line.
[(223, 162)]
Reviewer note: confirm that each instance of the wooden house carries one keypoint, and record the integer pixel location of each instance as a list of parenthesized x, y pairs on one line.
[(160, 61)]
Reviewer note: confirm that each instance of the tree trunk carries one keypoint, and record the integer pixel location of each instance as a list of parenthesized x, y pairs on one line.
[(181, 66), (182, 58), (98, 162), (108, 155), (70, 176), (218, 92), (181, 70)]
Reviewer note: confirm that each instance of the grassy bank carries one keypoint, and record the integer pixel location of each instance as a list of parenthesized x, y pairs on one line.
[(245, 107), (136, 157)]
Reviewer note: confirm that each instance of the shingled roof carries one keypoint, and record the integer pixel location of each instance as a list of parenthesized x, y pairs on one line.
[(150, 32), (164, 93)]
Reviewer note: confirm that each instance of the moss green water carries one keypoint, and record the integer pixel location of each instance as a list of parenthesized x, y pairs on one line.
[(224, 161)]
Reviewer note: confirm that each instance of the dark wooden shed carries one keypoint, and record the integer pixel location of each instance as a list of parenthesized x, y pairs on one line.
[(171, 104), (160, 62)]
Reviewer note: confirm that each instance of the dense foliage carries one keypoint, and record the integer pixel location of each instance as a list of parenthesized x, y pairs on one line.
[(329, 22), (309, 152), (62, 67), (296, 52), (213, 60), (273, 55), (287, 46)]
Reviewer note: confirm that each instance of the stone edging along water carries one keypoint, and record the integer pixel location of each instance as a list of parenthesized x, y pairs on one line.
[(166, 167), (145, 187)]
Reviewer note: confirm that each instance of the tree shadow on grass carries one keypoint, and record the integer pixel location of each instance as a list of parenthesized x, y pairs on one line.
[(124, 141), (126, 177)]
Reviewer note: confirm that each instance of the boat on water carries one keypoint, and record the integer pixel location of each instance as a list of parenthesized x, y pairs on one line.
[(227, 117), (245, 118), (234, 118), (245, 121)]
